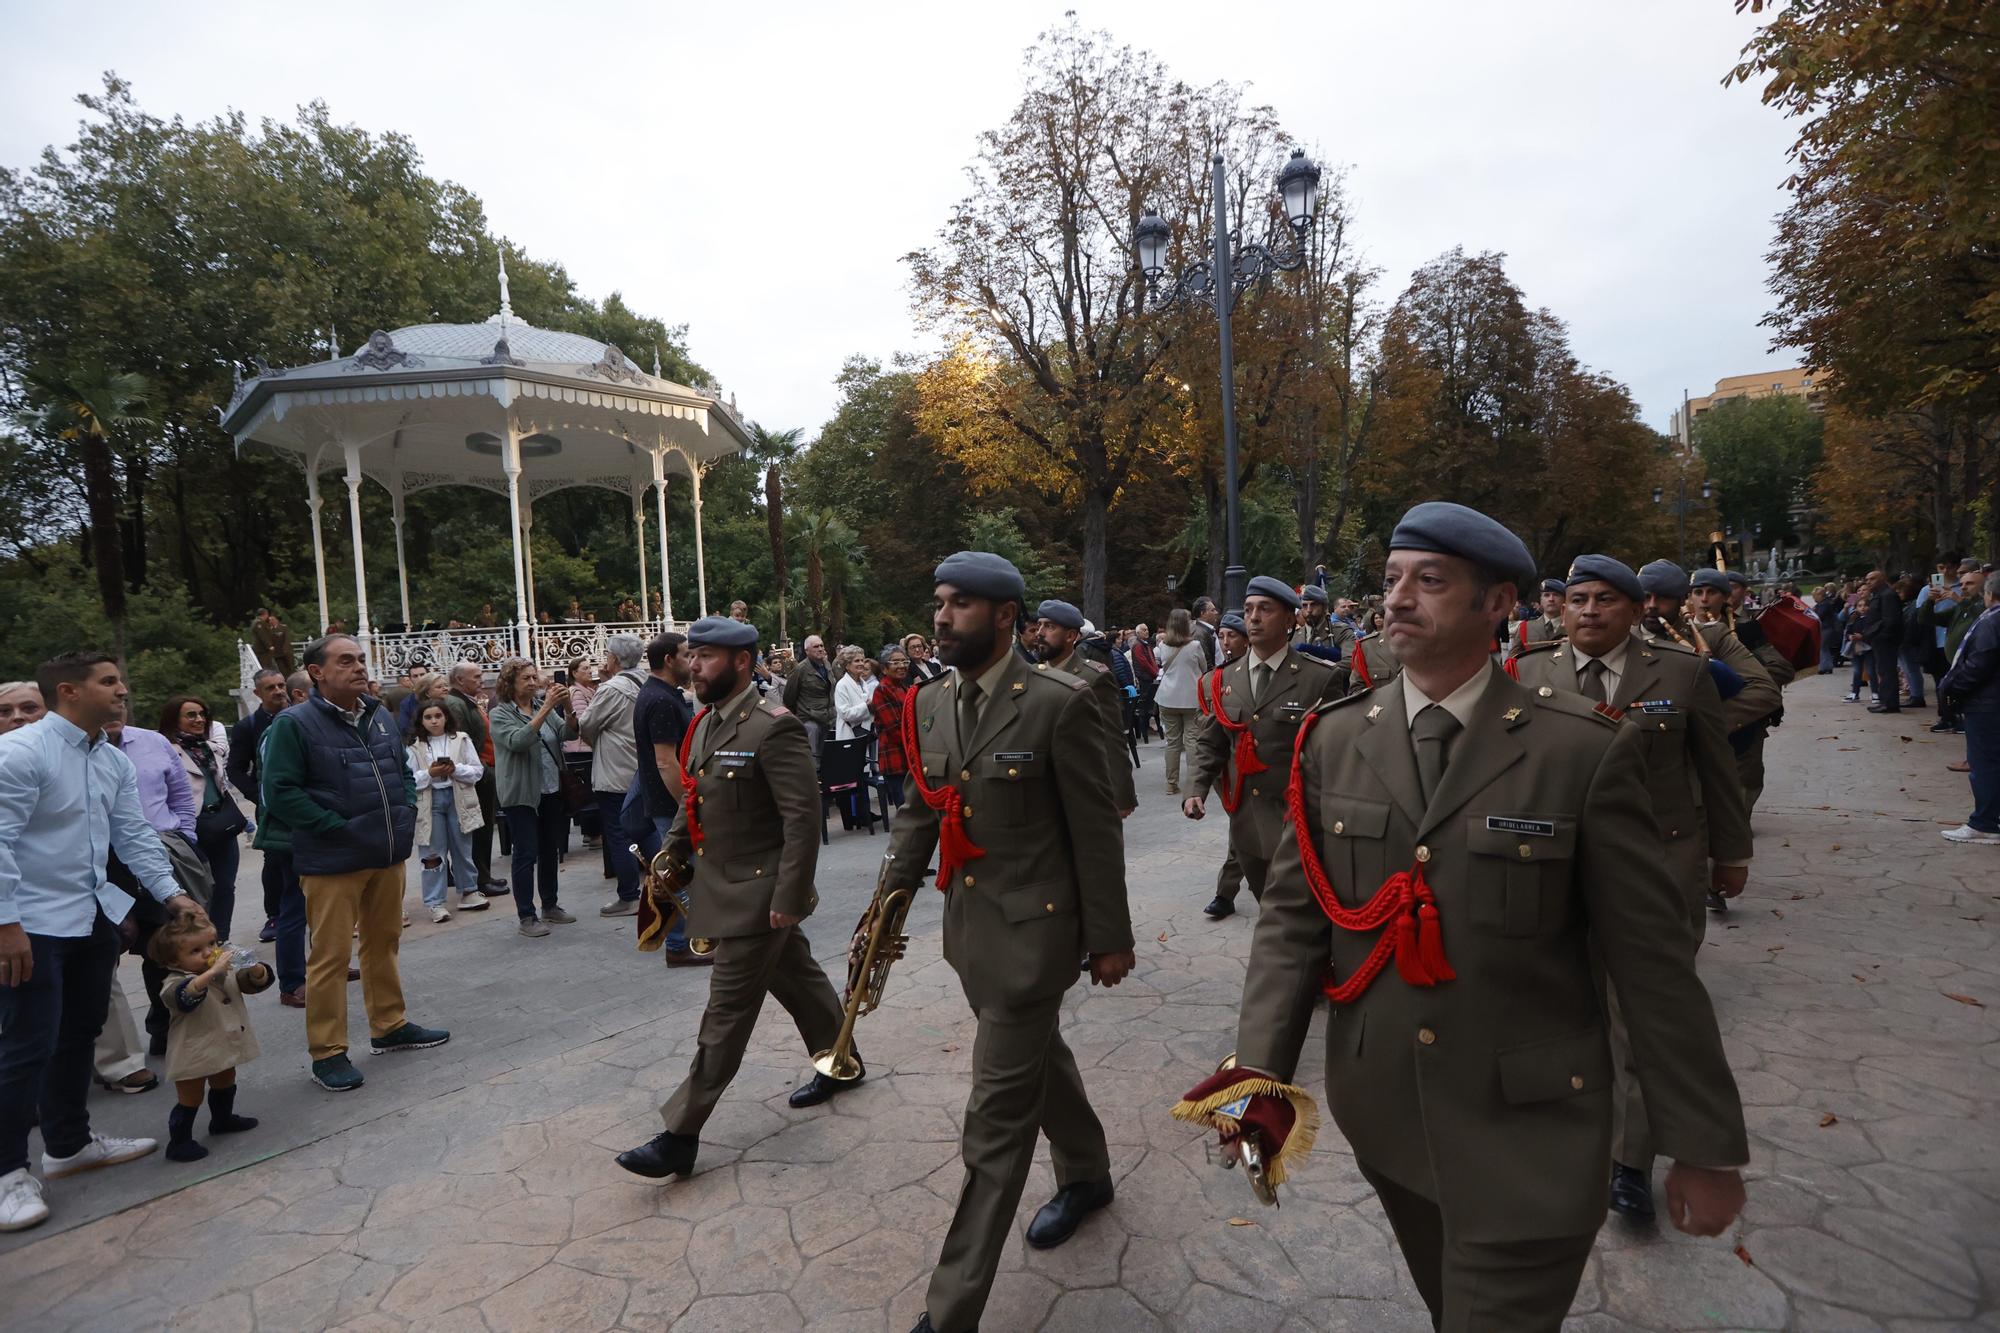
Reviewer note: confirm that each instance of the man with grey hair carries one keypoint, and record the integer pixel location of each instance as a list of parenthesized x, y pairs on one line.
[(809, 692), (606, 726), (467, 705)]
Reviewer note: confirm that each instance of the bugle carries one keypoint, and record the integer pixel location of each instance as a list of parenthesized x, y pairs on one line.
[(878, 942), (662, 902)]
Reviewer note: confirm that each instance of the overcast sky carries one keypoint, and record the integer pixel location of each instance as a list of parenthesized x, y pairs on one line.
[(757, 170)]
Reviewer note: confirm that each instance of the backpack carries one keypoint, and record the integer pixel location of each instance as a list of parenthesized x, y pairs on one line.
[(1792, 629)]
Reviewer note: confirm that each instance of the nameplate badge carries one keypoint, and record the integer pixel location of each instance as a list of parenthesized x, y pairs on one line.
[(1013, 756), (1292, 710), (1653, 706), (1540, 828), (734, 761)]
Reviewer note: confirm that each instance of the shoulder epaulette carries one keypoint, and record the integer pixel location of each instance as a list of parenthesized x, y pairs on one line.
[(1534, 646), (1665, 645), (1043, 671), (1576, 705), (1328, 705), (775, 710)]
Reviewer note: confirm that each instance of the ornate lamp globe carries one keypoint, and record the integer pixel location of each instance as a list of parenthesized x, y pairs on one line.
[(1151, 237), (1298, 185)]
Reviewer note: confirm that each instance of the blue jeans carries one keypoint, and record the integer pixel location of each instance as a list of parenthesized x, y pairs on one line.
[(650, 832), (1982, 751), (291, 962), (1829, 648), (48, 1029), (609, 805), (446, 838), (1913, 667), (223, 856), (537, 834)]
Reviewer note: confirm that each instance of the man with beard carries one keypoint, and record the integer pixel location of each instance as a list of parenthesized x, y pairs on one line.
[(745, 841), (1058, 636), (1760, 705), (1246, 744), (1489, 838), (1668, 693), (1013, 793)]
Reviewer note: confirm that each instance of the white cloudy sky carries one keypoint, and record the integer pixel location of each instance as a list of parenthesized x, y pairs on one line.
[(756, 170)]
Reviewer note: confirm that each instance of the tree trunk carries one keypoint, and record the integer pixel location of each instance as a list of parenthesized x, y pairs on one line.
[(135, 519), (774, 518), (100, 488), (1096, 522)]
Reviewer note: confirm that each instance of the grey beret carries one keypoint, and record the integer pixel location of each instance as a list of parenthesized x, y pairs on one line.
[(1736, 578), (1603, 569), (1664, 578), (1453, 529), (1231, 620), (721, 632), (1710, 578), (1312, 592), (983, 574), (1062, 613), (1275, 589), (1554, 585)]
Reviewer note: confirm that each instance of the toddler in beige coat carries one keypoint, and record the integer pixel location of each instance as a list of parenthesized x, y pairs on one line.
[(208, 1028)]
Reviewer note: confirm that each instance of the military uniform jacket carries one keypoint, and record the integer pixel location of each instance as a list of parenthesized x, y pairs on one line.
[(757, 795), (1533, 630), (1299, 683), (1491, 1093), (1109, 700), (1051, 886), (1666, 692), (1373, 663), (1760, 696)]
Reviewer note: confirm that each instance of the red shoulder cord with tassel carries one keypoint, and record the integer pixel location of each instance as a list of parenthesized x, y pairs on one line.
[(1361, 665), (689, 802), (1245, 758), (1416, 941), (955, 845)]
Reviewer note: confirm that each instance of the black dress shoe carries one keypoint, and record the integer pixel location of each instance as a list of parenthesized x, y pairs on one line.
[(661, 1156), (1059, 1218), (1883, 708), (1218, 908), (1631, 1192), (924, 1325), (819, 1088)]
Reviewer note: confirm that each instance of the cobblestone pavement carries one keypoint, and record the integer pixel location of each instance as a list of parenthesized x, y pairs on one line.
[(473, 1187)]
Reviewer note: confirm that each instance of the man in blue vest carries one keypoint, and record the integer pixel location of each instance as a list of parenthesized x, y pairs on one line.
[(337, 783)]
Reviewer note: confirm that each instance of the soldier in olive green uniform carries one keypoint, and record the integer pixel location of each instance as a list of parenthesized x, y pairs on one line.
[(747, 845), (1014, 793), (1059, 627), (1256, 712), (1472, 1077), (1546, 627), (1372, 665), (1748, 629), (1667, 693), (1230, 642), (1761, 704)]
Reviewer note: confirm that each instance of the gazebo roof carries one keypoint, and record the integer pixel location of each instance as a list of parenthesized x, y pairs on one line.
[(428, 405)]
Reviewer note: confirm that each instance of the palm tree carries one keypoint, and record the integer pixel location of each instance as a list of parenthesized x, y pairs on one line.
[(833, 552), (775, 449), (88, 405)]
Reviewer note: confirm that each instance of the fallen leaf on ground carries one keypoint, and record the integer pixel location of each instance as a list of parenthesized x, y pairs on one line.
[(1773, 948), (1858, 977), (1744, 1255), (1828, 738), (1836, 847), (1241, 1222), (1849, 749), (1778, 913), (1163, 937), (1963, 999), (1906, 739), (1828, 1119), (1797, 897), (949, 1049)]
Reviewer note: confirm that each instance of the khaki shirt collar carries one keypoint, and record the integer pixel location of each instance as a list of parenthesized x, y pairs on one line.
[(1459, 703)]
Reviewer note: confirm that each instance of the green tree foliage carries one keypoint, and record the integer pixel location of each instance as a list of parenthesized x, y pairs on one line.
[(1761, 452)]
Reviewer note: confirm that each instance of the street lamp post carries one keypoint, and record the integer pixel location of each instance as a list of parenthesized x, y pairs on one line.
[(1217, 281), (1681, 506)]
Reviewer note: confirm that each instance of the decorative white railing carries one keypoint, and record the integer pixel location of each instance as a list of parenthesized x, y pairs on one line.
[(390, 655)]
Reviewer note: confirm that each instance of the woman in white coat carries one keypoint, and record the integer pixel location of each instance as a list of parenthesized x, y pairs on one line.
[(447, 772), (851, 694)]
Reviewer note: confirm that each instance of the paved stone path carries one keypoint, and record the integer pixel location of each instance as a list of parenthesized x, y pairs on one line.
[(472, 1187)]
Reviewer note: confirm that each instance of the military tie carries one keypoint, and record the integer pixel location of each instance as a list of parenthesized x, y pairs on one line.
[(968, 712), (1431, 735), (1260, 680), (1593, 681)]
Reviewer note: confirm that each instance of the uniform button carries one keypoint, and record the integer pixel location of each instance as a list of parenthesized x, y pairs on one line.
[(701, 772), (701, 851), (1255, 792), (1576, 1081), (1423, 852), (1340, 826), (1051, 906), (1546, 692), (1673, 833), (1013, 772), (1253, 717), (968, 881), (965, 774), (758, 871), (731, 775), (1427, 1037), (967, 812), (1526, 851), (1663, 726)]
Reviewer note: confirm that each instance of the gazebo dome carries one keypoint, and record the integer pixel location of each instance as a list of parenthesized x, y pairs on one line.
[(473, 342)]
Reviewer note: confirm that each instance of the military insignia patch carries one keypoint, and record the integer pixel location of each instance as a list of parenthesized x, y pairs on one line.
[(1616, 715), (1375, 712), (927, 723)]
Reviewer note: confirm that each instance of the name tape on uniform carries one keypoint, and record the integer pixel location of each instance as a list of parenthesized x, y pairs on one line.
[(1013, 756), (1539, 828)]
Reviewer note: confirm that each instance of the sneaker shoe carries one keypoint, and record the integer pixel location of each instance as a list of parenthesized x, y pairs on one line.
[(1717, 903), (409, 1037), (533, 928), (440, 915), (139, 1080), (474, 902), (337, 1073), (1967, 833), (21, 1202), (102, 1150), (620, 907), (555, 916), (1849, 698), (269, 933)]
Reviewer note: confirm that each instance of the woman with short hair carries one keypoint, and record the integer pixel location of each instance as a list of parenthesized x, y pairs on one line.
[(529, 727), (1183, 661), (850, 694)]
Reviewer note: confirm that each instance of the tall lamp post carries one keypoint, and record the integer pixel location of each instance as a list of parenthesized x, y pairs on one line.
[(1681, 506), (1216, 281)]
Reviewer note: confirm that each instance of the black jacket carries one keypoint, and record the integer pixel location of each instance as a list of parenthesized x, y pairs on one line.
[(1973, 683)]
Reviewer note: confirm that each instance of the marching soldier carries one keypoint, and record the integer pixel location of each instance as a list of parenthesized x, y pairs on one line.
[(1373, 663), (1667, 693), (1781, 671), (1256, 704), (1761, 704), (747, 833), (1014, 795), (1316, 623), (1231, 642), (1546, 627), (1505, 828), (1059, 631)]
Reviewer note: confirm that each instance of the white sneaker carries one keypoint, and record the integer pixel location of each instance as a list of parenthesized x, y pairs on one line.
[(102, 1150), (439, 916), (1967, 833), (21, 1202), (473, 902)]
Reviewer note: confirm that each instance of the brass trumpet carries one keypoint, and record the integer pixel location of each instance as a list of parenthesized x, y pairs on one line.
[(878, 942), (667, 894)]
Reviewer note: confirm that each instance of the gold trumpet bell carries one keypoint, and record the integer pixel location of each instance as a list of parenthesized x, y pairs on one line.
[(842, 1066)]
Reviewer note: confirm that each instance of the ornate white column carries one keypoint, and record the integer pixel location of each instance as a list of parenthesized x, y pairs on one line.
[(510, 463), (666, 575), (402, 569), (363, 630), (639, 528), (313, 503), (700, 568), (528, 564)]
